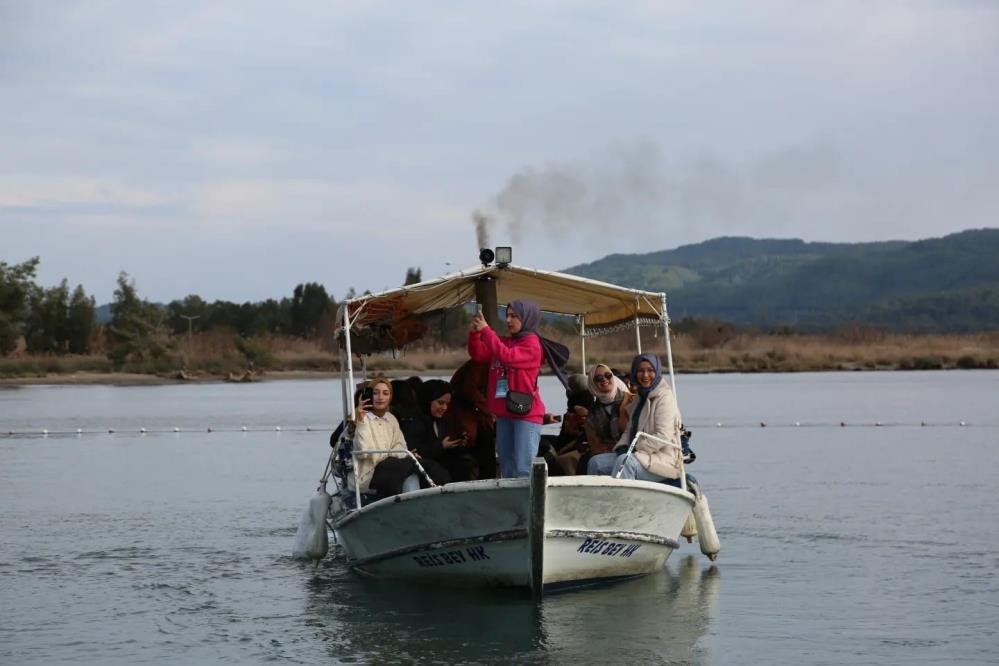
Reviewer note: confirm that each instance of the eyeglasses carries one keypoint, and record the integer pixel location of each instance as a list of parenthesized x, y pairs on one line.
[(606, 377)]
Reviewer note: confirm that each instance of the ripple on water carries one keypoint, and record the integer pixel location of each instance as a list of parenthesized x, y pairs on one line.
[(123, 553)]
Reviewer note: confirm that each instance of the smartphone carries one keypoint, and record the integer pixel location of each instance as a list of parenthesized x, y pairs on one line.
[(368, 394), (478, 309)]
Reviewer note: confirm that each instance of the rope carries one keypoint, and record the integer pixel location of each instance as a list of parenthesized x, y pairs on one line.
[(45, 432)]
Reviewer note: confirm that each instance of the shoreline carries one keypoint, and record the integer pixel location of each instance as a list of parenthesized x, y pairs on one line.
[(138, 379)]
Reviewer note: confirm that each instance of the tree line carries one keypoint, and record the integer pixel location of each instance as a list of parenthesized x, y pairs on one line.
[(59, 321)]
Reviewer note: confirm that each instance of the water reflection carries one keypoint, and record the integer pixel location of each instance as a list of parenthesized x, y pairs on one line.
[(656, 619)]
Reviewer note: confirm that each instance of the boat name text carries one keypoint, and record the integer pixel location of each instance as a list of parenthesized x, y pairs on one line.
[(442, 559), (608, 548)]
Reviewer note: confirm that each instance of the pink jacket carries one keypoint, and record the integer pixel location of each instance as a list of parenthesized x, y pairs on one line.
[(519, 360)]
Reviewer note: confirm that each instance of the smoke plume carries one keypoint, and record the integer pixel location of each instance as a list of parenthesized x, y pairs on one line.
[(631, 188), (481, 222)]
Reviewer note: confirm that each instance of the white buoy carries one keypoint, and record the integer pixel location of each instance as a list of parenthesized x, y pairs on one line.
[(797, 424), (707, 537), (176, 429), (718, 425), (963, 423), (243, 428), (142, 430), (209, 428), (277, 428), (689, 530), (79, 431), (45, 431), (308, 428), (312, 538), (111, 430)]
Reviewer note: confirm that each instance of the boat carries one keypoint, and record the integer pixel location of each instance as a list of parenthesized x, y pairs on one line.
[(538, 533)]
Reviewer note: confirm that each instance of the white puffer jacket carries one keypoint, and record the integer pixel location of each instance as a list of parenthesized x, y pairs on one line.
[(660, 418)]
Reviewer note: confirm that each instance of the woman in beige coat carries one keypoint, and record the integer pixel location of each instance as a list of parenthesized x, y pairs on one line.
[(654, 412)]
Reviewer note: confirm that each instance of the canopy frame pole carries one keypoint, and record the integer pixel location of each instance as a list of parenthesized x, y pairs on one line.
[(638, 328), (350, 361), (669, 348), (343, 382), (582, 339)]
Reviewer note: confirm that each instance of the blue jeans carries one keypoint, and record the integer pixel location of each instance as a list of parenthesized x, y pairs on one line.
[(602, 463), (516, 445), (632, 469), (609, 463)]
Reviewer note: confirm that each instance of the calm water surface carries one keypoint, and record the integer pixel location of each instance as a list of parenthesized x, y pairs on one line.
[(840, 545)]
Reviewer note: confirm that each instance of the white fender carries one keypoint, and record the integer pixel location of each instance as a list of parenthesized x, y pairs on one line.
[(312, 540), (689, 530), (707, 537)]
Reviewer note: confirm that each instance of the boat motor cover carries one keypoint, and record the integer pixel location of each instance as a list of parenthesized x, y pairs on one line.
[(311, 540)]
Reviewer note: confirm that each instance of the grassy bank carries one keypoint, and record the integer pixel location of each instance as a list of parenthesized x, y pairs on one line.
[(214, 356)]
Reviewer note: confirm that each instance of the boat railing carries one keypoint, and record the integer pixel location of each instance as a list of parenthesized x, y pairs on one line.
[(367, 452), (657, 440)]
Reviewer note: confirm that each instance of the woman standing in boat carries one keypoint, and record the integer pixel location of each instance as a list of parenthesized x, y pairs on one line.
[(653, 412), (514, 364)]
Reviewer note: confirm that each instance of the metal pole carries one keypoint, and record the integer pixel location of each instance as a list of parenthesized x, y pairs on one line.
[(669, 348), (189, 318), (350, 358), (343, 384), (582, 339), (638, 330)]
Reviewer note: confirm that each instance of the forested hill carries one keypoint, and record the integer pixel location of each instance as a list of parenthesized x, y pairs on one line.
[(932, 285)]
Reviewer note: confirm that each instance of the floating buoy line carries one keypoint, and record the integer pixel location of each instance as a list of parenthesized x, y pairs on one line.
[(45, 432)]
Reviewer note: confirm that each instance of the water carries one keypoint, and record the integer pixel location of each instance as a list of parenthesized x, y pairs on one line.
[(855, 545)]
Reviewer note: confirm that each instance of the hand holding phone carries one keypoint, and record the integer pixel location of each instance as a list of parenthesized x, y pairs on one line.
[(478, 321)]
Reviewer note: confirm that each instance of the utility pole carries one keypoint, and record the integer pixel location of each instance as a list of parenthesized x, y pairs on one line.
[(189, 319)]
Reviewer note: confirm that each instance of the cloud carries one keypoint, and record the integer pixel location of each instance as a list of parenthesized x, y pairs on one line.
[(347, 140)]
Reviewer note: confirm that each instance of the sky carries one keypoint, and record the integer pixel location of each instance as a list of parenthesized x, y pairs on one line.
[(236, 149)]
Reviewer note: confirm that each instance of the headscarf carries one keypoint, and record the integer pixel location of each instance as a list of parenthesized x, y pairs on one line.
[(643, 393), (529, 314), (555, 353), (609, 396), (430, 390)]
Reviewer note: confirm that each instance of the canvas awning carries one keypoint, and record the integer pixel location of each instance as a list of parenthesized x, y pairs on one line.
[(599, 304)]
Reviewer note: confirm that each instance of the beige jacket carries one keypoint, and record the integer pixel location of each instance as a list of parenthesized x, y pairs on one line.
[(372, 434), (660, 418)]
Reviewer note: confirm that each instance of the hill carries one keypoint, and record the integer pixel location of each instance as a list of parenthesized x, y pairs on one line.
[(948, 284)]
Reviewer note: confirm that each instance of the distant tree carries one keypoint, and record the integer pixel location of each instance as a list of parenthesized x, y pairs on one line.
[(308, 304), (192, 305), (134, 332), (16, 283), (45, 327), (81, 321), (413, 276)]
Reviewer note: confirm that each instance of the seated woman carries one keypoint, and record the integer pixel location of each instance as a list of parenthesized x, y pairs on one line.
[(413, 423), (376, 429), (427, 435), (570, 444), (604, 425), (653, 412)]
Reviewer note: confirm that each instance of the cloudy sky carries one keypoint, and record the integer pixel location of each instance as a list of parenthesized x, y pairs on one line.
[(235, 149)]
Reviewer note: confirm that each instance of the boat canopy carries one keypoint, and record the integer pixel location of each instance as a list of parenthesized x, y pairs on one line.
[(599, 305)]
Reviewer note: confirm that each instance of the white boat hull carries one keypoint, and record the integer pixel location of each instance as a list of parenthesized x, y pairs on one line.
[(568, 531)]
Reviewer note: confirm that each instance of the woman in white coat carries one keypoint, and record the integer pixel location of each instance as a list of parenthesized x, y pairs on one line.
[(654, 412)]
